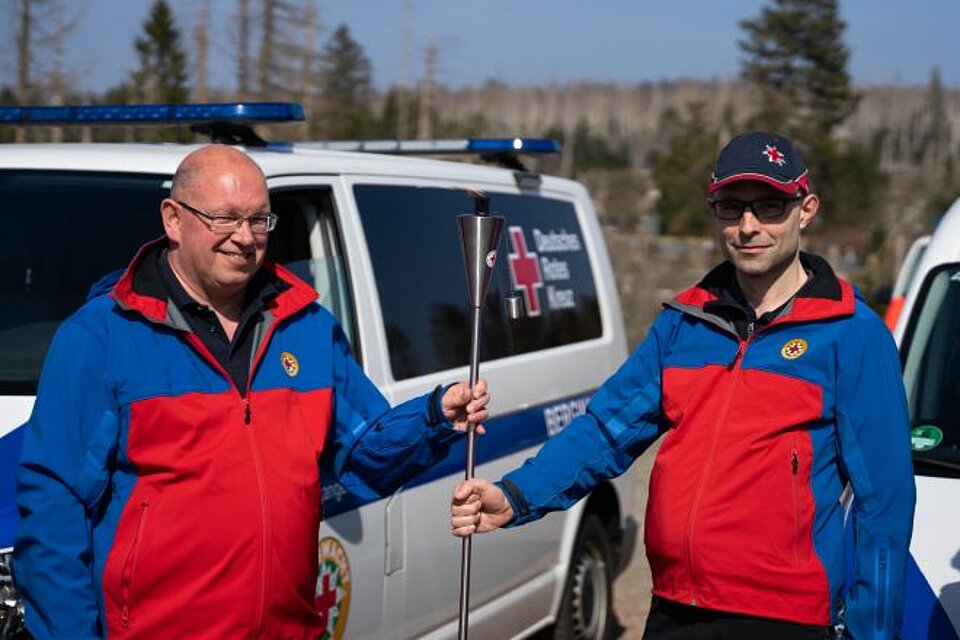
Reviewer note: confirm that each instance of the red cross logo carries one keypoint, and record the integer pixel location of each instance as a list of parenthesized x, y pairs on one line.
[(326, 603), (774, 155), (525, 271)]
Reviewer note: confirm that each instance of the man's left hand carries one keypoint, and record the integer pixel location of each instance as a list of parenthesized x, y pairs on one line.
[(461, 407)]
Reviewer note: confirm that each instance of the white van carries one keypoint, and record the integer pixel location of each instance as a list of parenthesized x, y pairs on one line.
[(377, 236), (928, 333)]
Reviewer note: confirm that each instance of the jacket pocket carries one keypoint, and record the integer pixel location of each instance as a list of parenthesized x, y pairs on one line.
[(796, 490), (129, 566)]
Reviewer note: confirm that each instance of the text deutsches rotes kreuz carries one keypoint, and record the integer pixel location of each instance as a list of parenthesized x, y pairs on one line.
[(556, 270)]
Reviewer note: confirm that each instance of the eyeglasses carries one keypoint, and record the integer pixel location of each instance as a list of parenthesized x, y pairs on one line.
[(765, 209), (227, 224)]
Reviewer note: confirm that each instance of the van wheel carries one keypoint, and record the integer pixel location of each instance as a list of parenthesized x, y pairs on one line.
[(586, 612)]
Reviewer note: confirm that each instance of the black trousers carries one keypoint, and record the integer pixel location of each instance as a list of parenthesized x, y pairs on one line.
[(673, 621)]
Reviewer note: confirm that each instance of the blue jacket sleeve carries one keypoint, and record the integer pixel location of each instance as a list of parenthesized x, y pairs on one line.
[(63, 472), (873, 428), (622, 420), (375, 449)]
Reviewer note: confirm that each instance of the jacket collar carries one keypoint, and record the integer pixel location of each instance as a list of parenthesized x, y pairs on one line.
[(824, 295), (141, 287)]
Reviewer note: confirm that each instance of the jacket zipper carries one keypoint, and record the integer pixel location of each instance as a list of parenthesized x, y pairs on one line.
[(795, 469), (734, 368), (129, 565)]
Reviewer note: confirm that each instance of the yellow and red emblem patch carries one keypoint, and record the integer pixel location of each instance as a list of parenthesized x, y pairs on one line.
[(793, 349), (290, 363), (333, 589)]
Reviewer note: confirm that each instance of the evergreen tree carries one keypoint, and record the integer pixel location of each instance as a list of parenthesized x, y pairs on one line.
[(345, 81), (796, 60), (162, 75), (681, 171)]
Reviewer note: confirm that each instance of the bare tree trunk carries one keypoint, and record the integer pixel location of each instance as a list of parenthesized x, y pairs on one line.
[(243, 49), (24, 16), (428, 94), (202, 39), (403, 96), (265, 62), (306, 94)]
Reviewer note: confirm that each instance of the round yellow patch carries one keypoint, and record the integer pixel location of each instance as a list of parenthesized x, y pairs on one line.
[(333, 589), (793, 349), (290, 363)]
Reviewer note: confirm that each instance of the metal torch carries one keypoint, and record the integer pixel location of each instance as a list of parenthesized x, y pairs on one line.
[(480, 237)]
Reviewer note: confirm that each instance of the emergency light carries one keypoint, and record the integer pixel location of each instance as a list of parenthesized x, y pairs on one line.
[(237, 113), (415, 147)]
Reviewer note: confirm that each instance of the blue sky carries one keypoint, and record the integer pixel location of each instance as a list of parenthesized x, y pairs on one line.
[(542, 41)]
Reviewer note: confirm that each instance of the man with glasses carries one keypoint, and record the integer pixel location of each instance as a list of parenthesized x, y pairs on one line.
[(775, 386), (170, 478)]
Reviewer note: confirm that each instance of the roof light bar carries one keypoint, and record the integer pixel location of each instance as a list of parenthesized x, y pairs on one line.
[(238, 113), (427, 147)]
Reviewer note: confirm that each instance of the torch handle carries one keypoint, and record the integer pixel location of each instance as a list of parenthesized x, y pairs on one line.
[(465, 548)]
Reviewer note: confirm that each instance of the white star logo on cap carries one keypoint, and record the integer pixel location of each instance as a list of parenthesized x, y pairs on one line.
[(774, 155)]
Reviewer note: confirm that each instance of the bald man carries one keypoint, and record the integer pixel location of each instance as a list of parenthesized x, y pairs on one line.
[(169, 484)]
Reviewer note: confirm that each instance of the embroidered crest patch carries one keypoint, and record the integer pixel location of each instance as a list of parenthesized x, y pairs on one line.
[(793, 349), (290, 363), (333, 589)]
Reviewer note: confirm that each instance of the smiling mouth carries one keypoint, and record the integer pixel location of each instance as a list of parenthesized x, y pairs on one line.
[(238, 254)]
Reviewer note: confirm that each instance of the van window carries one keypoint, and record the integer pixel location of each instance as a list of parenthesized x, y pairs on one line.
[(931, 361), (63, 231), (414, 244), (307, 242)]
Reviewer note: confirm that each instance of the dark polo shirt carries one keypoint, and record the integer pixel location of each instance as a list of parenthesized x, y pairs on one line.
[(236, 355)]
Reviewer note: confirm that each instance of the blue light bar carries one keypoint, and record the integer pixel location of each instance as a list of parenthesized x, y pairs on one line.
[(238, 113), (438, 147), (513, 145)]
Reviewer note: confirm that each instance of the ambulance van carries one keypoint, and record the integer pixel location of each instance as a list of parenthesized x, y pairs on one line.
[(928, 333), (377, 236)]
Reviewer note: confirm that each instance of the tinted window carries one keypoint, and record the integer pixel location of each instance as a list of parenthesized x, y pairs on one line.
[(414, 244), (931, 355), (62, 233)]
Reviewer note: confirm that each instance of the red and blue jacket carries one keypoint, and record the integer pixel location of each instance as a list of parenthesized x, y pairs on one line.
[(762, 434), (157, 500)]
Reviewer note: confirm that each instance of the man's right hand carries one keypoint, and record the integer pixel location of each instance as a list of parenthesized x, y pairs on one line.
[(478, 506)]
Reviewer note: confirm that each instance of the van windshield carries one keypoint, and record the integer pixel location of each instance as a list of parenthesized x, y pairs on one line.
[(63, 231), (931, 365)]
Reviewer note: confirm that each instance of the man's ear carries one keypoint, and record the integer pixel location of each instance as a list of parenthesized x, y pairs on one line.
[(809, 207), (170, 212)]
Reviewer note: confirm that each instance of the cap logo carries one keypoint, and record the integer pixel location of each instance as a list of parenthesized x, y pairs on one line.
[(793, 349), (774, 155), (290, 363)]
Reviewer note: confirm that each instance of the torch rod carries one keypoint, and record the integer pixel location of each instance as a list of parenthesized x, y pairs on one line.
[(465, 549)]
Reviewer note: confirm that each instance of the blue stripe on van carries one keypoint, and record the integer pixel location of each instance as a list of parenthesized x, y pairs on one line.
[(9, 455), (505, 435), (923, 614)]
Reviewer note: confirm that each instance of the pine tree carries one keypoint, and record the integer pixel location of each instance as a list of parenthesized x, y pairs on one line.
[(162, 75), (797, 61), (345, 81)]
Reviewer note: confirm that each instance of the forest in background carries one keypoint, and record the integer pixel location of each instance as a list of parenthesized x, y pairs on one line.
[(886, 160)]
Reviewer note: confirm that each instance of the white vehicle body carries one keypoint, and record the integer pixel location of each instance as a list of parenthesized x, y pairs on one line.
[(395, 563), (928, 333)]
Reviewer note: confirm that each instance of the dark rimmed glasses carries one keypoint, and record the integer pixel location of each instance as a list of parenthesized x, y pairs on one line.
[(764, 209), (226, 224)]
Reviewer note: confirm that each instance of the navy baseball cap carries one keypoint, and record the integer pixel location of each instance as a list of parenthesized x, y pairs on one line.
[(764, 157)]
